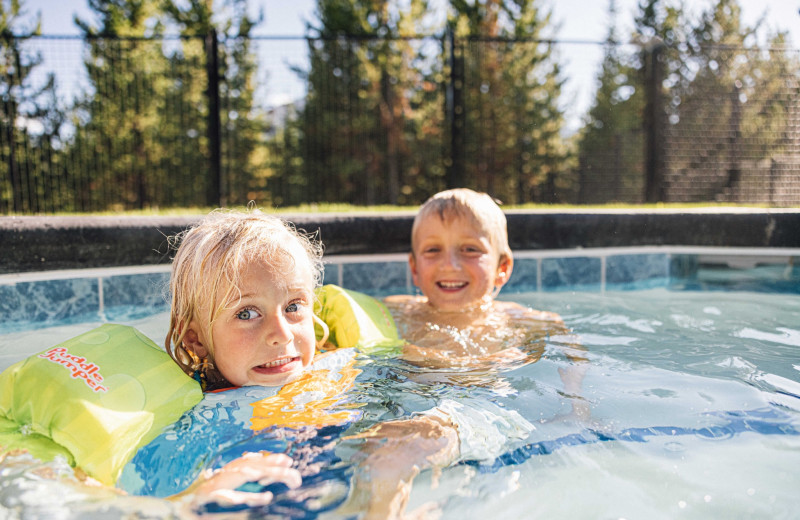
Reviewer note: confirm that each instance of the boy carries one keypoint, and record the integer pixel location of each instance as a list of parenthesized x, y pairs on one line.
[(460, 259)]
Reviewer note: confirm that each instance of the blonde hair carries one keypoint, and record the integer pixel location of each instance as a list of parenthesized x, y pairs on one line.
[(208, 265), (480, 209)]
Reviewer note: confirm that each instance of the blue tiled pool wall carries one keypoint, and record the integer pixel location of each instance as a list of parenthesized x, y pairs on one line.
[(592, 272), (116, 297), (27, 304)]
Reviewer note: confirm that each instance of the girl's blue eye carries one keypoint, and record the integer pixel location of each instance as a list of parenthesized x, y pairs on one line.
[(293, 307), (247, 314)]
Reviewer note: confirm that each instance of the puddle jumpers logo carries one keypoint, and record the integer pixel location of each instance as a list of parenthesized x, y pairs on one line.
[(79, 368)]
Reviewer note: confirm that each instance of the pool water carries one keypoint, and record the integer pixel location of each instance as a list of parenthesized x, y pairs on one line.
[(705, 385), (695, 413)]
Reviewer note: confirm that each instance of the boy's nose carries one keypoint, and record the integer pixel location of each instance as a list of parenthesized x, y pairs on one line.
[(452, 259)]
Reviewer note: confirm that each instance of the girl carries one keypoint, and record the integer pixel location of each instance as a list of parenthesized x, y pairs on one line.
[(242, 289)]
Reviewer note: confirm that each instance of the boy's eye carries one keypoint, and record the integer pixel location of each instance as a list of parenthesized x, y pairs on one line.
[(247, 314)]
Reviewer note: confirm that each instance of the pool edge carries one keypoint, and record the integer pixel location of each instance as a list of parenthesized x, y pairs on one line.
[(57, 243)]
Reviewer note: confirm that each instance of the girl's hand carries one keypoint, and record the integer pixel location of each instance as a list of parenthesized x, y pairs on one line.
[(262, 467)]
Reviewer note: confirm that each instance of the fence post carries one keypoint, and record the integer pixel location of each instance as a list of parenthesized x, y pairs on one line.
[(654, 123), (455, 113), (14, 174), (214, 193)]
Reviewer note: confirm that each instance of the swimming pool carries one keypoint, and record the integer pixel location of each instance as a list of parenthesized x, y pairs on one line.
[(693, 384)]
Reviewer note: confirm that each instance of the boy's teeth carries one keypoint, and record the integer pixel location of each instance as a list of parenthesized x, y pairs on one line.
[(451, 285)]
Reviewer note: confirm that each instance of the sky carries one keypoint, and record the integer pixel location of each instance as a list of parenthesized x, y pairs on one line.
[(578, 21)]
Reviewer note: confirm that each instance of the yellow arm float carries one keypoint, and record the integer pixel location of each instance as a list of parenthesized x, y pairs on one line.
[(95, 399), (357, 320)]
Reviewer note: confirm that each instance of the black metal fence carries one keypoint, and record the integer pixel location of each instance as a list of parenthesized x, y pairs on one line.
[(106, 124)]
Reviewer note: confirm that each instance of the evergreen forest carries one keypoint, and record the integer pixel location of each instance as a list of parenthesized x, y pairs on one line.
[(398, 104)]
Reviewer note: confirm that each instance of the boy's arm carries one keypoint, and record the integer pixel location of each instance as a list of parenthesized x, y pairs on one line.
[(401, 298), (394, 453), (551, 324), (573, 374), (440, 359)]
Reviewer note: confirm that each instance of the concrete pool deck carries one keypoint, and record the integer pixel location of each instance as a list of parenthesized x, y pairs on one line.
[(42, 243)]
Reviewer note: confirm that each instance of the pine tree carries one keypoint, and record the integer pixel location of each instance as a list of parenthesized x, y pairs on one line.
[(610, 145), (241, 126), (512, 79), (728, 114), (120, 117), (357, 131), (31, 170)]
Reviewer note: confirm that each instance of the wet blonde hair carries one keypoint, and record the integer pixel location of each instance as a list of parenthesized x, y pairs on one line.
[(479, 209), (208, 265)]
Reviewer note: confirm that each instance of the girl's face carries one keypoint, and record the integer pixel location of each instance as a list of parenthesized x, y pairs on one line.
[(266, 337), (455, 265)]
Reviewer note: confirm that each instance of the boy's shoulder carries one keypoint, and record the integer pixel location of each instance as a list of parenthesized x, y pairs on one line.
[(406, 305), (516, 310), (404, 298)]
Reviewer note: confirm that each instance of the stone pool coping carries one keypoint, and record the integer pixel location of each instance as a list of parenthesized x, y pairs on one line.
[(44, 243)]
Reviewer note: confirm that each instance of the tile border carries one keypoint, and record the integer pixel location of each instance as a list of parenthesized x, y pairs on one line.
[(535, 271)]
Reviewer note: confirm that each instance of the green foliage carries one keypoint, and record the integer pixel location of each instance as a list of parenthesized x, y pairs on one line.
[(720, 107), (30, 119), (399, 104), (366, 131), (241, 125), (611, 143), (732, 96), (150, 100), (121, 115), (512, 86), (373, 126)]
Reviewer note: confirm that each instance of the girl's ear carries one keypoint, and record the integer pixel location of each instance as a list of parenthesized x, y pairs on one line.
[(193, 342), (504, 269)]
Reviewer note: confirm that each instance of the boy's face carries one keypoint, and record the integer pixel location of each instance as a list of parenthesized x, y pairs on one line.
[(454, 264), (266, 338)]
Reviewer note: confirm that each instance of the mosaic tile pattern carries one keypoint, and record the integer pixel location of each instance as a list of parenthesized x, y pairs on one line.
[(151, 289), (629, 269), (25, 305), (571, 272), (49, 301), (524, 277), (376, 278), (683, 266), (780, 278), (135, 296)]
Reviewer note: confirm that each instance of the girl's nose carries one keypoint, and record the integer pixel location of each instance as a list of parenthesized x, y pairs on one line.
[(279, 332)]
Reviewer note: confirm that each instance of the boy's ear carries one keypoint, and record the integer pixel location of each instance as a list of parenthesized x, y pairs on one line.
[(504, 271), (193, 342), (412, 265)]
